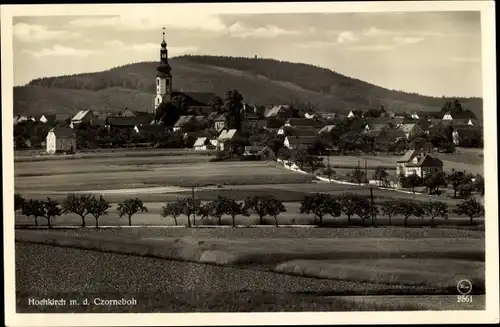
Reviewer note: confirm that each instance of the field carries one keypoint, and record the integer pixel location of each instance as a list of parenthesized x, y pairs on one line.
[(252, 269), (470, 160)]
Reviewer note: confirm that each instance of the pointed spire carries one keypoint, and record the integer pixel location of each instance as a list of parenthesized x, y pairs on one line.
[(163, 43)]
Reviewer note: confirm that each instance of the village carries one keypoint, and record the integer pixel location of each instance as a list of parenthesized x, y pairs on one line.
[(191, 179)]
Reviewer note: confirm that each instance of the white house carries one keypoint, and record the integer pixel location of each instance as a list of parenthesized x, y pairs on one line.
[(61, 139), (83, 116), (220, 123), (418, 163), (224, 137), (447, 116), (203, 143)]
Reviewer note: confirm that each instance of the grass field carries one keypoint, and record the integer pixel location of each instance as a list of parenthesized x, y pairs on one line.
[(470, 160), (295, 268)]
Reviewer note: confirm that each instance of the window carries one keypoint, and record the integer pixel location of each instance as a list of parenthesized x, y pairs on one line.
[(167, 81), (158, 82)]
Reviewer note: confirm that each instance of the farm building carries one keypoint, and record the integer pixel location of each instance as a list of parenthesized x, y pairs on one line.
[(418, 163), (183, 121), (299, 142), (220, 123), (203, 143), (263, 152), (411, 130), (224, 137), (297, 131), (83, 116), (61, 139), (126, 122), (327, 129)]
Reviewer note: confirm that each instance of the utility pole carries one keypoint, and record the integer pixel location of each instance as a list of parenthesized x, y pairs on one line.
[(372, 205), (194, 214)]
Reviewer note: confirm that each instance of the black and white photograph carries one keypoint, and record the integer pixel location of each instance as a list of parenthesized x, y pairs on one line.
[(323, 160)]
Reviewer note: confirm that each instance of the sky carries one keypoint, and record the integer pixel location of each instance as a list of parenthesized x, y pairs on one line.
[(431, 53)]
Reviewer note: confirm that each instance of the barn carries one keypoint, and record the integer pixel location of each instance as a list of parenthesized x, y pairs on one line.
[(61, 139)]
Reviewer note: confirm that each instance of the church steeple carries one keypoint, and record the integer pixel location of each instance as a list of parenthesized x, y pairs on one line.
[(163, 76)]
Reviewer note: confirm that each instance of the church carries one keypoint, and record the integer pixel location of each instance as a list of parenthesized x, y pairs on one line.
[(198, 102)]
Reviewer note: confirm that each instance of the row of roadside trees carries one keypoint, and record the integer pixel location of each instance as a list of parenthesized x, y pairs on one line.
[(320, 205)]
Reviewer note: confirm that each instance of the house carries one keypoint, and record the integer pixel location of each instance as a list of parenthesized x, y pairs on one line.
[(203, 143), (327, 129), (225, 136), (252, 121), (183, 121), (309, 115), (466, 114), (299, 142), (83, 116), (411, 130), (61, 139), (467, 136), (263, 152), (198, 103), (126, 122), (281, 110), (297, 131), (418, 163), (220, 123)]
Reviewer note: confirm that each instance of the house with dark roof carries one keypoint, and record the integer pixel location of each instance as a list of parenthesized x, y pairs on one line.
[(298, 131), (252, 121), (61, 139), (203, 143), (466, 114), (262, 152), (83, 116), (127, 122), (220, 122), (467, 136), (279, 111), (183, 121), (299, 142), (199, 103), (411, 130), (418, 163)]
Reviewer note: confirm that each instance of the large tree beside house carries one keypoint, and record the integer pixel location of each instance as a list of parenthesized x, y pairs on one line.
[(233, 103)]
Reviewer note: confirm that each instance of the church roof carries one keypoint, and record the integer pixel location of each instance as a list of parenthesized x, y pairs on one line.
[(201, 98)]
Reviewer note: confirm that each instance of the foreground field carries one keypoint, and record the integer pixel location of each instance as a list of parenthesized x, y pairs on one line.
[(256, 269)]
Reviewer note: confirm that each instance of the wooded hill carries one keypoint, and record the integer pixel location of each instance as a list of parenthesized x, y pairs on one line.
[(260, 81)]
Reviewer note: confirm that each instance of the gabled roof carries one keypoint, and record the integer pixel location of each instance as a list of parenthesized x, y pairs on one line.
[(466, 114), (373, 133), (127, 121), (430, 114), (81, 114), (275, 110), (326, 129), (202, 98), (201, 141), (226, 135), (407, 128), (221, 118), (63, 132), (408, 156), (391, 134), (377, 127), (184, 120), (426, 160)]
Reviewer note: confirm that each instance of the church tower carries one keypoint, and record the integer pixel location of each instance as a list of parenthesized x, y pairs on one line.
[(163, 76)]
